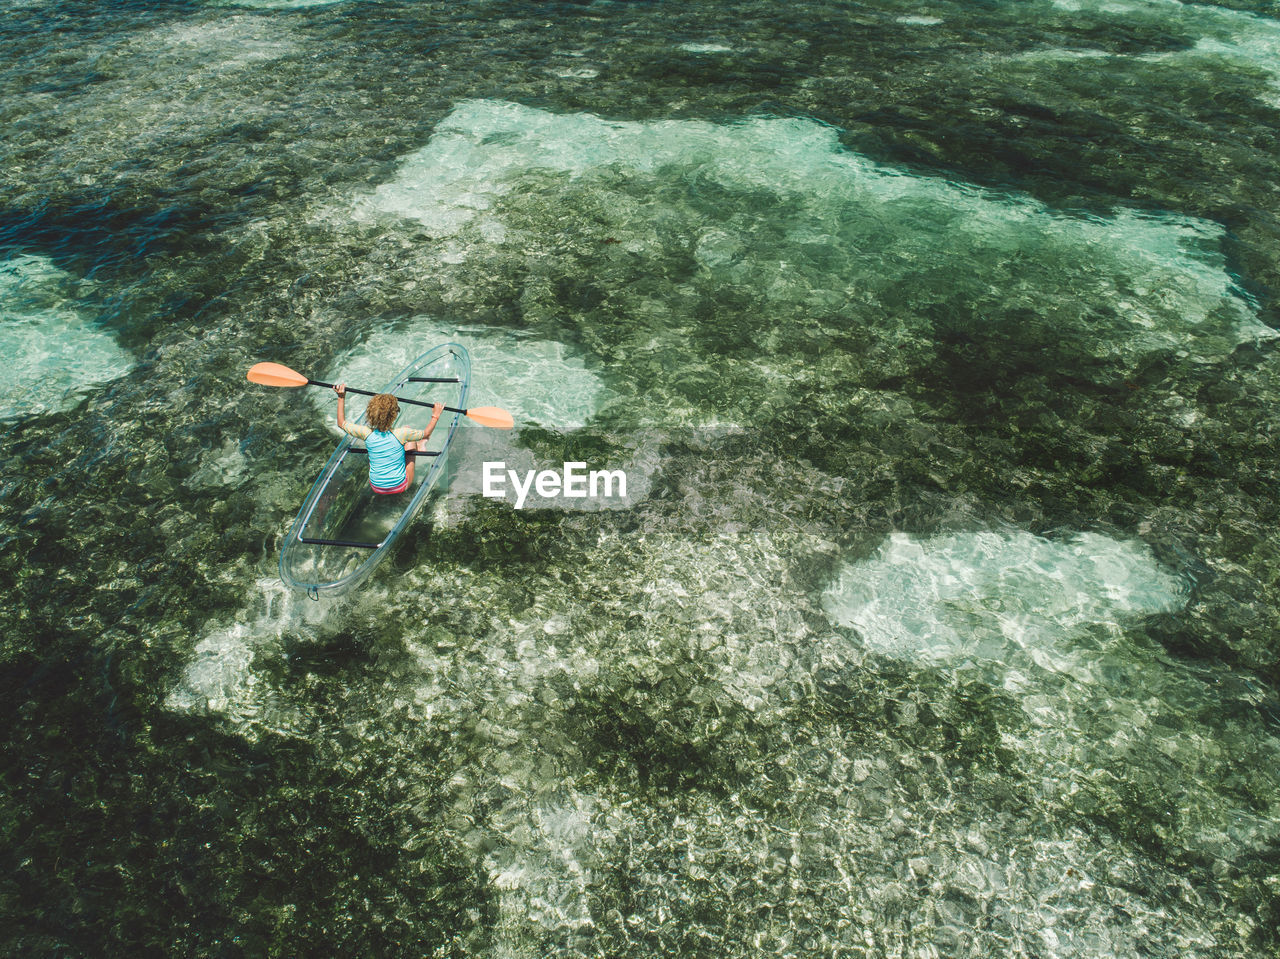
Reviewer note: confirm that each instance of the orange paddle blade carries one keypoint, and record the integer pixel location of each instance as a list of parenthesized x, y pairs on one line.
[(273, 374), (492, 416)]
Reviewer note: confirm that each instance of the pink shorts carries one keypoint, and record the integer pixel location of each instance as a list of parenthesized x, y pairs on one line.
[(394, 489)]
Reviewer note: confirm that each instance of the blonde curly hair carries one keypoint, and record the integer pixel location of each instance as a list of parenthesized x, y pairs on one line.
[(382, 411)]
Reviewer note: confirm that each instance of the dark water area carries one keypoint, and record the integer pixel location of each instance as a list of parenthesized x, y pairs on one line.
[(938, 344)]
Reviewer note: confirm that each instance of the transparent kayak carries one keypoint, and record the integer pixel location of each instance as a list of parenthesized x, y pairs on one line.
[(345, 529)]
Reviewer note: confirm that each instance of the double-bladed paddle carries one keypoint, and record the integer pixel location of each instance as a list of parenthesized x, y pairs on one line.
[(273, 374)]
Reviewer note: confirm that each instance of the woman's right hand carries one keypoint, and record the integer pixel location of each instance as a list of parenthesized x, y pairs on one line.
[(341, 390)]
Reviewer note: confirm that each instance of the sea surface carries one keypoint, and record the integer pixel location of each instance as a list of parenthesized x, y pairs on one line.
[(939, 343)]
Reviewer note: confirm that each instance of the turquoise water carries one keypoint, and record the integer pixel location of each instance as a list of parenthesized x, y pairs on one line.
[(938, 344)]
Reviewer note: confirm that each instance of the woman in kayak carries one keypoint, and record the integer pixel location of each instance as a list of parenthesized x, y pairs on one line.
[(390, 451)]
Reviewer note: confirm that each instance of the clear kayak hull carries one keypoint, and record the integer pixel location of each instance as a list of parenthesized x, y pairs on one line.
[(344, 529)]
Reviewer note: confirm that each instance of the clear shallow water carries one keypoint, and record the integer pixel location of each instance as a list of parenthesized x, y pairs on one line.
[(944, 623), (517, 369), (54, 348), (984, 597)]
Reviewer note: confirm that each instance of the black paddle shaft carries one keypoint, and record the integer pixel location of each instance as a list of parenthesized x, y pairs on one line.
[(361, 449), (352, 389)]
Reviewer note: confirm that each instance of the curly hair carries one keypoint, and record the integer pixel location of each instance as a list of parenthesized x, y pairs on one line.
[(382, 411)]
